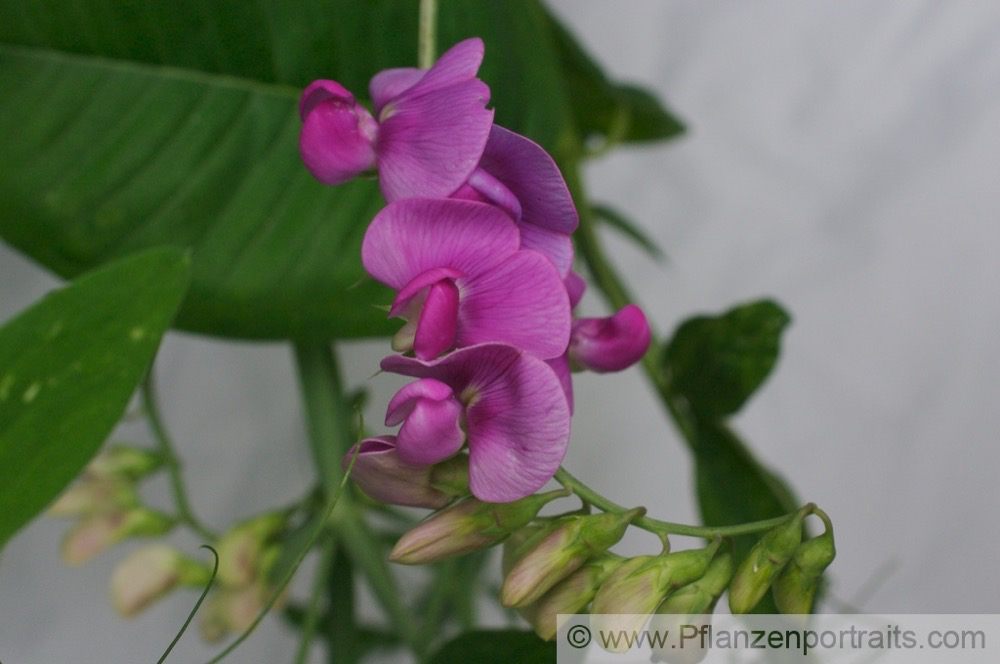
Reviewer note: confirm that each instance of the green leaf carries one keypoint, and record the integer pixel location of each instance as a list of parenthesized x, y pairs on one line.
[(68, 366), (604, 109), (105, 158), (629, 229), (716, 362), (130, 125), (496, 647)]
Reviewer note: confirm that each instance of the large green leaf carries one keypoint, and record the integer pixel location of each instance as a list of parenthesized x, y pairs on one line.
[(104, 158), (68, 367), (716, 362), (496, 647), (127, 125)]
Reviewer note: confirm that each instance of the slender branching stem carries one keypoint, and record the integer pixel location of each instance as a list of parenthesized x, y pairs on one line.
[(185, 514), (664, 528)]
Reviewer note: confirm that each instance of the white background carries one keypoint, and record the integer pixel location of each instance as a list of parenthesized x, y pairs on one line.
[(842, 158)]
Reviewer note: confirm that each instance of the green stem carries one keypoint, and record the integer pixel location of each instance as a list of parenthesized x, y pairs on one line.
[(330, 435), (327, 552), (368, 555), (658, 527), (185, 514), (342, 627), (327, 414), (427, 34)]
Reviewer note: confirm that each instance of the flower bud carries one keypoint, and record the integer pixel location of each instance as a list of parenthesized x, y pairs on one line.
[(98, 532), (561, 553), (610, 344), (123, 461), (571, 595), (636, 588), (523, 540), (466, 527), (795, 588), (684, 613), (94, 495), (149, 573), (386, 478), (234, 609), (241, 548), (766, 559)]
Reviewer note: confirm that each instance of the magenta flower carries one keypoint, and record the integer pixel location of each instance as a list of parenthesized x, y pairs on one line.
[(517, 175), (428, 132), (612, 343), (462, 280), (513, 412)]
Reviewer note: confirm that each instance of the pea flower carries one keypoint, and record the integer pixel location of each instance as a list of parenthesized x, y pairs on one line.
[(427, 134), (462, 279), (520, 177), (508, 404), (612, 343)]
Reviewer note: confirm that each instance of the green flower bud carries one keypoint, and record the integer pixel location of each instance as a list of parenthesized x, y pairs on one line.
[(571, 595), (524, 539), (636, 588), (123, 461), (766, 559), (151, 572), (234, 609), (93, 496), (688, 609), (97, 533), (561, 553), (467, 526), (241, 548), (795, 588)]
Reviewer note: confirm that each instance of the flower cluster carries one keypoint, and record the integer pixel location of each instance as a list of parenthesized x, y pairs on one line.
[(475, 240)]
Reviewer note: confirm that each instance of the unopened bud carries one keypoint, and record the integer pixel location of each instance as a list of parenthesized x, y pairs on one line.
[(94, 495), (123, 461), (468, 526), (610, 344), (766, 559), (386, 478), (683, 615), (561, 553), (240, 548), (149, 573), (571, 595), (234, 609), (636, 588), (97, 533), (795, 588)]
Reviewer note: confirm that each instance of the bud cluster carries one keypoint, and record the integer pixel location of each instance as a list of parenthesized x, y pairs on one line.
[(106, 504)]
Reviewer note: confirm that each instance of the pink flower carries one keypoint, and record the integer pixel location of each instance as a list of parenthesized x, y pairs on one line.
[(462, 279), (428, 132), (512, 410), (517, 175), (610, 344)]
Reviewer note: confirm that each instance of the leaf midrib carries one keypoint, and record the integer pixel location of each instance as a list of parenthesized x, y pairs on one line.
[(165, 72)]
